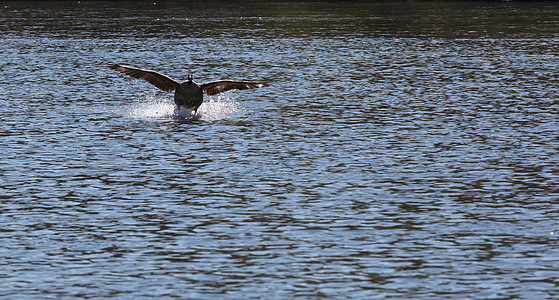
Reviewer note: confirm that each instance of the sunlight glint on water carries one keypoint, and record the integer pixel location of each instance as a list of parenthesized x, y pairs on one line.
[(405, 150)]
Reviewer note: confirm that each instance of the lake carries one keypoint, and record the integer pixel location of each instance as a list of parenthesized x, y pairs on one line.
[(403, 150)]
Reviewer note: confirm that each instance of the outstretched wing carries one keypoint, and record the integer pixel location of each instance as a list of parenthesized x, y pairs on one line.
[(157, 79), (220, 86)]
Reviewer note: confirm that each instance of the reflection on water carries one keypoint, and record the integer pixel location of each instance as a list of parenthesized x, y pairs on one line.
[(404, 150)]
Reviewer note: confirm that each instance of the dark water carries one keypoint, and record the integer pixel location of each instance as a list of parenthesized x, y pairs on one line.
[(405, 150)]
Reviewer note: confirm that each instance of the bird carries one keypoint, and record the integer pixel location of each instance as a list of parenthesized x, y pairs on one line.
[(189, 94)]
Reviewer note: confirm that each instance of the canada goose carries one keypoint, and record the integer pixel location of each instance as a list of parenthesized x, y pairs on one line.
[(189, 95)]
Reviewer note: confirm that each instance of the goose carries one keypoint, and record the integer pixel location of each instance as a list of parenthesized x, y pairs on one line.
[(189, 94)]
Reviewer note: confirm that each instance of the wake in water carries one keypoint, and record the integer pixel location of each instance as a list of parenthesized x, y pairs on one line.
[(216, 108)]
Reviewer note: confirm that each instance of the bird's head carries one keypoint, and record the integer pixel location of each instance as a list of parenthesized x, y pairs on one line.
[(189, 78)]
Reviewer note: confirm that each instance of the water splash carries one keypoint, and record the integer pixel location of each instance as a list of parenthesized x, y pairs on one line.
[(215, 108), (218, 108), (152, 108)]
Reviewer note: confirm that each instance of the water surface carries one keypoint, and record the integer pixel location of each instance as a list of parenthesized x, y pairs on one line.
[(404, 150)]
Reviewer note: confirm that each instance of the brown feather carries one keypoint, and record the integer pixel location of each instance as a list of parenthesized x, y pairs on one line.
[(157, 79), (220, 86)]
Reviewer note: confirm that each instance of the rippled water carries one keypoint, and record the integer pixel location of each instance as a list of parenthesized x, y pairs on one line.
[(404, 150)]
